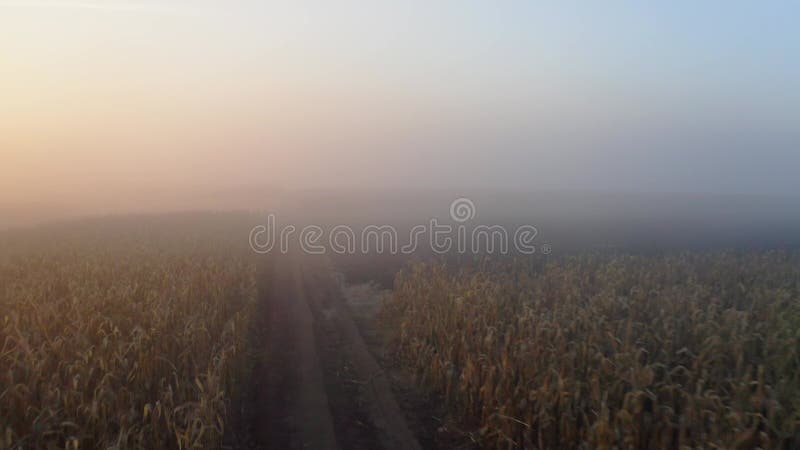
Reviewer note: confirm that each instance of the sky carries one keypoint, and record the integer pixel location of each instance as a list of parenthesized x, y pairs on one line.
[(100, 99)]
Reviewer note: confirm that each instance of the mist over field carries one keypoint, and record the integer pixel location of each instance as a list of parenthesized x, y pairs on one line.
[(121, 106)]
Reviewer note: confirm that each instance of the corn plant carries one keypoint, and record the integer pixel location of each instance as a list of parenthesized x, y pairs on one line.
[(123, 344), (624, 352)]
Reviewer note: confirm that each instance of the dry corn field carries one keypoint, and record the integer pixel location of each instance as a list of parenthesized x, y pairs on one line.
[(673, 352), (121, 345)]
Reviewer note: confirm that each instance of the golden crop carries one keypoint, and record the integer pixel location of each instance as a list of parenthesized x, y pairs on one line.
[(121, 345), (691, 351)]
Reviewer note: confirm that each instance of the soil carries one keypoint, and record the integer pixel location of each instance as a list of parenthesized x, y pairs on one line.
[(316, 382)]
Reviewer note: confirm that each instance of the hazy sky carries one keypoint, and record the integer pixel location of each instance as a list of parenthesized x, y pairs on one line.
[(114, 96)]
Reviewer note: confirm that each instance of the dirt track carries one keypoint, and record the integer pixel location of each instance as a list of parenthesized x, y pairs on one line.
[(321, 389)]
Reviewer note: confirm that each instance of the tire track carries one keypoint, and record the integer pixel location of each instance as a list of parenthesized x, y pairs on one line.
[(323, 389)]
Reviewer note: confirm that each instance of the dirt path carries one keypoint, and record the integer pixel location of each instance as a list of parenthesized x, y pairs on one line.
[(321, 388)]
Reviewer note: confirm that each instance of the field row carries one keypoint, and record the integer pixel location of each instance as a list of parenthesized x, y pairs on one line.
[(693, 351), (121, 346)]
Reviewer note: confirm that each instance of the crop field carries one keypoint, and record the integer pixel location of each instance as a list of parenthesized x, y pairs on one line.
[(628, 352), (132, 343), (170, 333)]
